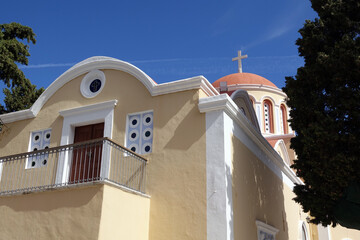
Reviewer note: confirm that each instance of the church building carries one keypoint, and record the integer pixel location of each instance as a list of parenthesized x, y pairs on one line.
[(107, 153)]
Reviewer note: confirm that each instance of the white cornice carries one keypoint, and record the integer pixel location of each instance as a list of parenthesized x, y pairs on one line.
[(256, 87), (224, 103), (279, 136), (89, 108), (96, 63), (17, 116), (198, 82)]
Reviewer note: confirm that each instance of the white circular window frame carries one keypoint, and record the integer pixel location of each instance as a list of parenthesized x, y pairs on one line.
[(87, 80)]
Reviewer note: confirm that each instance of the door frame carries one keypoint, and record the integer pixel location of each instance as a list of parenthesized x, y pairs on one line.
[(80, 116)]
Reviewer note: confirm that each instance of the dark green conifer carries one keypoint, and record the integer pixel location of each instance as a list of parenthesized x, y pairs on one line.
[(20, 93), (324, 98)]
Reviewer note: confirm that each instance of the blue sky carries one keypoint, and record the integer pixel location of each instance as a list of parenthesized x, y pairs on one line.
[(168, 40)]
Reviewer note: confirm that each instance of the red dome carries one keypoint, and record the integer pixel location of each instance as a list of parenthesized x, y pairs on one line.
[(243, 78)]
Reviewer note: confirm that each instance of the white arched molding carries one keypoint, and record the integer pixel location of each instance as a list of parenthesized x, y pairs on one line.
[(303, 229), (280, 145), (102, 63), (245, 96), (270, 115), (81, 116)]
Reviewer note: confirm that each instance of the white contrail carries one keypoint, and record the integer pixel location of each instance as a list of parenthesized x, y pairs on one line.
[(47, 65)]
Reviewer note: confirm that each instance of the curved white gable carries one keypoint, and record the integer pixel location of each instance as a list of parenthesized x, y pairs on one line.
[(101, 62)]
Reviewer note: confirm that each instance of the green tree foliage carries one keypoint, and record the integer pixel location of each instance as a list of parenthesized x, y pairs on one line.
[(324, 98), (20, 93)]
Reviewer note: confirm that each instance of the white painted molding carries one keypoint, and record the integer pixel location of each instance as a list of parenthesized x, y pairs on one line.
[(245, 96), (224, 103), (219, 202), (256, 87), (86, 81), (266, 97), (281, 144), (101, 62), (17, 116), (301, 226), (80, 116), (88, 108), (266, 228), (278, 136)]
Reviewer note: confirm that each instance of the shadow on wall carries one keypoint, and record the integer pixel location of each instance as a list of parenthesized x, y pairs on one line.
[(51, 200), (185, 124), (258, 194)]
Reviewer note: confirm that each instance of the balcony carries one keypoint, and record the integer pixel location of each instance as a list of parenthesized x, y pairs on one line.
[(99, 160)]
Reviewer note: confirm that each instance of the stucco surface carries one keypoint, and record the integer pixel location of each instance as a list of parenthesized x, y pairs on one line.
[(340, 233), (124, 215), (73, 213), (176, 173), (259, 194)]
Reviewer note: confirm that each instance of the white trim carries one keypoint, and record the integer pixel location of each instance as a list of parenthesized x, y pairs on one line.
[(87, 80), (219, 176), (324, 232), (266, 97), (92, 63), (245, 96), (281, 144), (301, 225), (80, 116), (256, 87), (278, 136), (250, 136), (127, 133), (31, 143), (277, 120), (261, 226)]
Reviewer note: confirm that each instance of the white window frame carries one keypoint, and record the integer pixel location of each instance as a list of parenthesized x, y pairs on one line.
[(128, 127), (81, 116), (265, 228), (30, 146), (87, 80)]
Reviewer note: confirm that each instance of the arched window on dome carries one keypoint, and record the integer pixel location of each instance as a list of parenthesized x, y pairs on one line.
[(283, 120), (268, 116)]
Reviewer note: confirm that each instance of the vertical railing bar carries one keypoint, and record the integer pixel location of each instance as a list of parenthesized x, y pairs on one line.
[(53, 180), (116, 163), (18, 170), (11, 175), (100, 161), (24, 172), (83, 165), (5, 167), (78, 162), (45, 168), (93, 164)]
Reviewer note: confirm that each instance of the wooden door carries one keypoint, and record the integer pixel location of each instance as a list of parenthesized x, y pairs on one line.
[(86, 161)]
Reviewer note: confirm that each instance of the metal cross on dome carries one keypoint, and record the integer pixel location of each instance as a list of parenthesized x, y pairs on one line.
[(239, 58)]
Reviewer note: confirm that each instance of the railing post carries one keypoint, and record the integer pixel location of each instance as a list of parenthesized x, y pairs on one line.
[(105, 160), (62, 167)]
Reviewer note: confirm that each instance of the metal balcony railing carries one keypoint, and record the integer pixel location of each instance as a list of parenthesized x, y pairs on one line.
[(91, 161)]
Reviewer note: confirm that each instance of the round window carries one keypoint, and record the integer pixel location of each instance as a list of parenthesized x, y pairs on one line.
[(95, 85), (147, 148), (148, 118), (92, 84)]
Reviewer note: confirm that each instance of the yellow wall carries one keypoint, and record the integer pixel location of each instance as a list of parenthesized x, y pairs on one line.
[(124, 215), (339, 233), (176, 173), (72, 213), (258, 194)]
